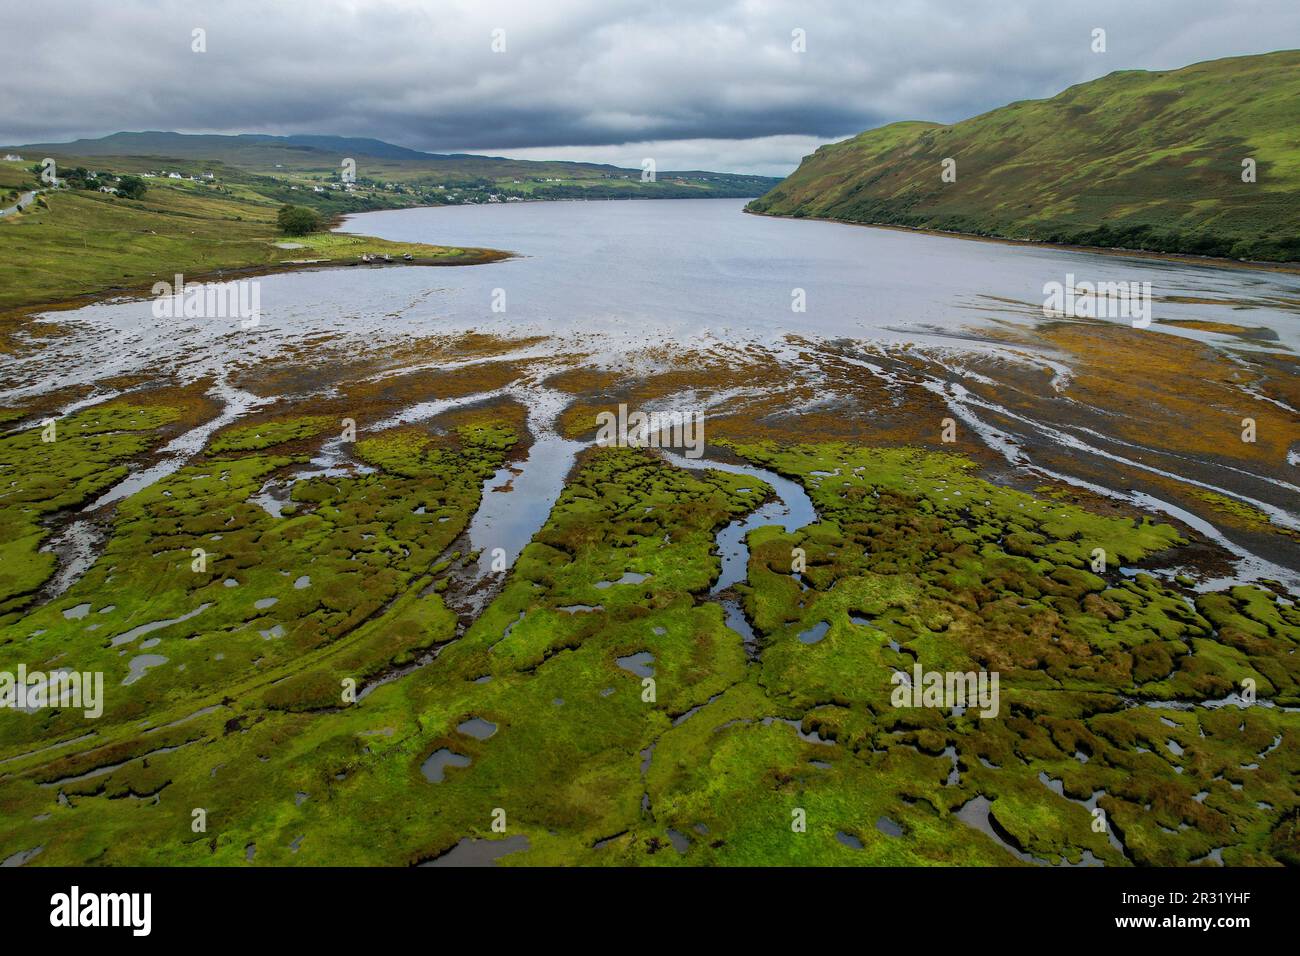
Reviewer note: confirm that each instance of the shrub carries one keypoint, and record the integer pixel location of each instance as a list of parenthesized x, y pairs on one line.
[(132, 187), (297, 220)]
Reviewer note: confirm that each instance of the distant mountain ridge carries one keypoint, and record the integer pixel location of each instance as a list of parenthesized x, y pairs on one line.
[(264, 151), (200, 145), (1136, 159)]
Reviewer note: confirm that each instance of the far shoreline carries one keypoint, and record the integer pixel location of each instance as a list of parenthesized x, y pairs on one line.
[(1292, 268)]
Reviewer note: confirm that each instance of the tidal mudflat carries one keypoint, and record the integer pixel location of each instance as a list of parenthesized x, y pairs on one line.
[(366, 590)]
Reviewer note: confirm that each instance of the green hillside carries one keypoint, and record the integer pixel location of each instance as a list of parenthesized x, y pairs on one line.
[(76, 241), (1136, 159), (408, 176)]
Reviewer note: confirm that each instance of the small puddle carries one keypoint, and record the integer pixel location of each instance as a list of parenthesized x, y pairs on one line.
[(477, 727), (848, 839), (638, 663), (888, 827), (140, 664), (815, 633), (437, 762), (629, 577), (273, 497), (126, 637), (681, 843)]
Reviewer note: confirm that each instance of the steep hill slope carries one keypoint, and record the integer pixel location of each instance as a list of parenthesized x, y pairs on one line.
[(1139, 159)]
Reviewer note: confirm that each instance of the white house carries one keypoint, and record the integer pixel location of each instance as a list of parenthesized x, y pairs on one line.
[(175, 176), (12, 158)]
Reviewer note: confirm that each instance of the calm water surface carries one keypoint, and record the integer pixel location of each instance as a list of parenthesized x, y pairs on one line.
[(619, 275)]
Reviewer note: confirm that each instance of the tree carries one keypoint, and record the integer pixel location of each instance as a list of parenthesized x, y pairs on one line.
[(297, 220), (132, 187)]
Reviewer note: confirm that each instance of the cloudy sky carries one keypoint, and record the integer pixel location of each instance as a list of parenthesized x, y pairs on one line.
[(692, 83)]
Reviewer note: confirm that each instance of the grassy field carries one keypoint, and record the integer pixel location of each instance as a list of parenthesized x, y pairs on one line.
[(1136, 159), (74, 242)]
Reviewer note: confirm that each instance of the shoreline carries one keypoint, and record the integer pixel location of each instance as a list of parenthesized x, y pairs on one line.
[(474, 257), (1291, 268)]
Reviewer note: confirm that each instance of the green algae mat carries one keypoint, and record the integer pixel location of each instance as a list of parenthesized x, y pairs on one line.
[(294, 684)]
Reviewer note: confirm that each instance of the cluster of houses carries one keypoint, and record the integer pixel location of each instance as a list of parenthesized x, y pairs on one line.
[(12, 158), (163, 174)]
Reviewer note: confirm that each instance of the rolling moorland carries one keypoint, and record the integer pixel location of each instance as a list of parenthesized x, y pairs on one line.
[(1136, 159)]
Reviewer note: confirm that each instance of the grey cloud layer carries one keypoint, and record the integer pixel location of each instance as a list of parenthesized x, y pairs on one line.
[(581, 73)]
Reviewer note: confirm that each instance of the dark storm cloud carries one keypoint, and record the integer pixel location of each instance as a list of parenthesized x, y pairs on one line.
[(582, 73)]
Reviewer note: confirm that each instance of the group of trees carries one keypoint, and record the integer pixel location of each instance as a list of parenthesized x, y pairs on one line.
[(297, 220), (132, 187), (79, 177)]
